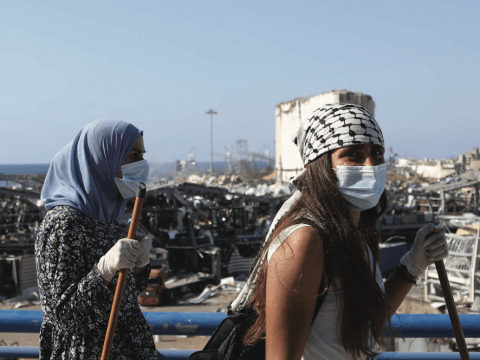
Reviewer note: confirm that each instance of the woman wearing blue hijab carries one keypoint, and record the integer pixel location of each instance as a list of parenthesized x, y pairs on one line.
[(80, 246)]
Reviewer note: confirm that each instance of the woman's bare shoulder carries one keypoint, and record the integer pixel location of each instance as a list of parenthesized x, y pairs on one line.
[(301, 254), (301, 241)]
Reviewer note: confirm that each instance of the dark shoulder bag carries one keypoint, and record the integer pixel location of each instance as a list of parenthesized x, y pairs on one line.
[(226, 342)]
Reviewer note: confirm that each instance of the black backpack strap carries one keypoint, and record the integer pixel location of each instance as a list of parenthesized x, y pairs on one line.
[(320, 298)]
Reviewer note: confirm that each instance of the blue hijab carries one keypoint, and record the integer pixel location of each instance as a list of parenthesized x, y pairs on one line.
[(82, 174)]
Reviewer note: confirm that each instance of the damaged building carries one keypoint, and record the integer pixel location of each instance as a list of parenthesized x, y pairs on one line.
[(438, 169)]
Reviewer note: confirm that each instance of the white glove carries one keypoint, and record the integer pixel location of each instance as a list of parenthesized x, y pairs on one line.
[(430, 245), (143, 258), (122, 255)]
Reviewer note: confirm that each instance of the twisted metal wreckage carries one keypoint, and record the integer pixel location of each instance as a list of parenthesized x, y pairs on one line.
[(20, 217), (203, 234), (454, 204), (209, 232), (200, 234)]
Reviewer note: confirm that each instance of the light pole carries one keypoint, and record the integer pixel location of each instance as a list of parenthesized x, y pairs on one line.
[(211, 113)]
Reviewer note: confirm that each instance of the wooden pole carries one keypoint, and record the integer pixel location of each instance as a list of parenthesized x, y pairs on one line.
[(452, 310), (122, 277)]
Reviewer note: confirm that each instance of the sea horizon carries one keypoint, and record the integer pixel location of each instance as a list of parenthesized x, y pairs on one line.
[(156, 168)]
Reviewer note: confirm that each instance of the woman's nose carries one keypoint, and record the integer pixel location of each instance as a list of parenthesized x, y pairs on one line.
[(369, 161)]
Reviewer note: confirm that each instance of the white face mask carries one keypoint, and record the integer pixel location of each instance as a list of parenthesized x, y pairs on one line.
[(361, 186), (133, 174)]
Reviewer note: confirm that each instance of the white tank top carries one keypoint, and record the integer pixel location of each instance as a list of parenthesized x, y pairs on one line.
[(324, 342)]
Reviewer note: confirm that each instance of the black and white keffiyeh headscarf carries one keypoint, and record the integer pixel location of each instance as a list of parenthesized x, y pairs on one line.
[(331, 127), (335, 126)]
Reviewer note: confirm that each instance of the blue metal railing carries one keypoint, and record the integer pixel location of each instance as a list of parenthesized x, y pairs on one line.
[(195, 324)]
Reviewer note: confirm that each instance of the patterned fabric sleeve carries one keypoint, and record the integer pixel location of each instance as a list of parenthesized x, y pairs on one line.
[(70, 299), (142, 279)]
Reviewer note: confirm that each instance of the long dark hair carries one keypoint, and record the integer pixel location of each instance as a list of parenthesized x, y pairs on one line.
[(345, 258)]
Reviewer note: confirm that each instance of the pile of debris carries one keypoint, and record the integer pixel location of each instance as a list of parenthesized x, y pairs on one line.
[(209, 228), (413, 204), (21, 213), (209, 232), (202, 231)]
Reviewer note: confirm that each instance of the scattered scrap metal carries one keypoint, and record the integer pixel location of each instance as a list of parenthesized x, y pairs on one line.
[(209, 229), (209, 232), (413, 204), (20, 217)]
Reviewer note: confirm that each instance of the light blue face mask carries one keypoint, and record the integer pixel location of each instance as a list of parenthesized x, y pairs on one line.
[(133, 174), (361, 186)]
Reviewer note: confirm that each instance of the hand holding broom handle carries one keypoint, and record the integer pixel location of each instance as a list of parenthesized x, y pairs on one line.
[(452, 310), (122, 277)]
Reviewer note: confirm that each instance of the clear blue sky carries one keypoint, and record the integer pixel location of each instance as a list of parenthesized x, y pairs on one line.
[(162, 64)]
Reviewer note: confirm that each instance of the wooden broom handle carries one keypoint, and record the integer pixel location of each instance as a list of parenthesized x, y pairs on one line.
[(452, 310), (122, 277)]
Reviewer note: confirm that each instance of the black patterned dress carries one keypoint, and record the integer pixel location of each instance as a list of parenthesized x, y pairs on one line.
[(75, 303)]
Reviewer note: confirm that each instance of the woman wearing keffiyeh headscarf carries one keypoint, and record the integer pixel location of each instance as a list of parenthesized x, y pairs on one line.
[(327, 230), (80, 246)]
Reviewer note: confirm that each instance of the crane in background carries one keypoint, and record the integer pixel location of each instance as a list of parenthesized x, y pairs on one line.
[(244, 156), (227, 157)]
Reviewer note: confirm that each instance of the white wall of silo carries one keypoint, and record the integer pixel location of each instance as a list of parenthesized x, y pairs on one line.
[(288, 116)]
